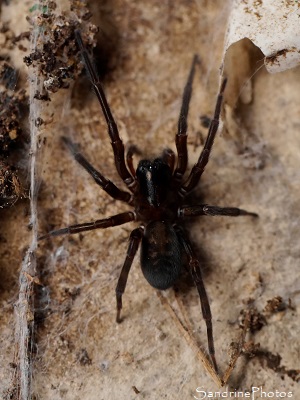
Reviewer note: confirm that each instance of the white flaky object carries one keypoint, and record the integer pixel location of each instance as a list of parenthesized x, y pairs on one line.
[(273, 26)]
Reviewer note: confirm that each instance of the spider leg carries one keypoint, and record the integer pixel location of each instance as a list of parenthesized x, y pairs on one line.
[(195, 271), (109, 187), (115, 220), (181, 136), (199, 167), (116, 142), (205, 209), (168, 157), (132, 149), (134, 241)]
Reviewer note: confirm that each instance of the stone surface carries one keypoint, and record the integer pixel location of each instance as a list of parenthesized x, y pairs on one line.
[(81, 353)]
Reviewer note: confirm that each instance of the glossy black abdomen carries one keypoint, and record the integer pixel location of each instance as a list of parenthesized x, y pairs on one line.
[(160, 255)]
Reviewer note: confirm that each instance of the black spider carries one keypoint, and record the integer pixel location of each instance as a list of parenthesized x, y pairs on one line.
[(156, 192)]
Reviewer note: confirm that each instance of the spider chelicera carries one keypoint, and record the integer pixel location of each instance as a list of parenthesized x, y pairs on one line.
[(156, 192)]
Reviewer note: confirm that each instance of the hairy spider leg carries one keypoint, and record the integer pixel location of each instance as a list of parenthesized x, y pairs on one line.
[(116, 142), (195, 271), (134, 242), (108, 186), (132, 149), (181, 136), (205, 209), (114, 220), (199, 167), (168, 157)]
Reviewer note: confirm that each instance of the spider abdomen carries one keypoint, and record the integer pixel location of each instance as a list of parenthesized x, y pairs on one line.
[(160, 255)]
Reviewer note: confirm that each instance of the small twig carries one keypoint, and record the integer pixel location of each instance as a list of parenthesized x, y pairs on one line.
[(186, 333), (183, 312), (235, 356)]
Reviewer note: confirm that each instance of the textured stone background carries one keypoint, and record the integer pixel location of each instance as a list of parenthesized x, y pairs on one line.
[(81, 353)]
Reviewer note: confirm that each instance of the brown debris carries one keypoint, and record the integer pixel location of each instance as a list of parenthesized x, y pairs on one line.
[(275, 305), (56, 59), (10, 128), (13, 108), (254, 319), (10, 186)]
